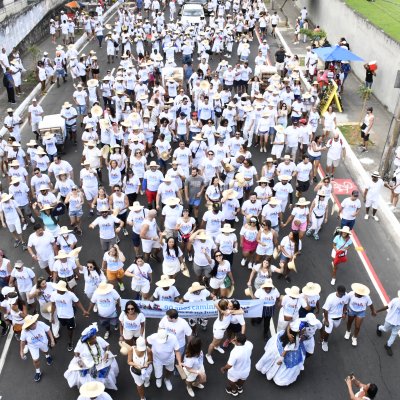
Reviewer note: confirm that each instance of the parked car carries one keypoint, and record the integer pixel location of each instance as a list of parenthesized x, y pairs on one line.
[(204, 4), (192, 13)]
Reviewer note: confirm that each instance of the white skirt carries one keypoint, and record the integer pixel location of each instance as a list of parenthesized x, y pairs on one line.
[(171, 268)]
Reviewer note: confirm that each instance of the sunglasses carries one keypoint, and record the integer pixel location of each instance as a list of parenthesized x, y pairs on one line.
[(130, 309), (218, 255)]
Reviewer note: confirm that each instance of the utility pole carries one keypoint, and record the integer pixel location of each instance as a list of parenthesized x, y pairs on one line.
[(391, 143)]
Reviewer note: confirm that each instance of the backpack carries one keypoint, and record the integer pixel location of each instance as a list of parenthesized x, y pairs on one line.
[(58, 210)]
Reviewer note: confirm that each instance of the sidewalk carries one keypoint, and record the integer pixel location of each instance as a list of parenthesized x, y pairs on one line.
[(352, 103)]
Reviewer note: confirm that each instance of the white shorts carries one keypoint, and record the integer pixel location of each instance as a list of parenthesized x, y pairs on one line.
[(191, 376), (158, 368), (372, 203), (141, 287), (145, 377), (171, 269), (47, 263), (148, 245), (334, 163), (218, 333), (128, 335), (90, 193), (263, 250), (14, 226), (236, 376), (216, 283), (35, 351), (333, 323)]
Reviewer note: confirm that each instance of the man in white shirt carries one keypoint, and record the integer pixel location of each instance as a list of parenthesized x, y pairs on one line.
[(392, 322), (35, 112), (81, 99), (334, 310), (371, 195), (303, 173), (238, 364), (349, 209), (336, 151)]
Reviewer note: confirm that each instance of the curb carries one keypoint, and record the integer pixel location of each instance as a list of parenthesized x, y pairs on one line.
[(356, 169), (36, 90)]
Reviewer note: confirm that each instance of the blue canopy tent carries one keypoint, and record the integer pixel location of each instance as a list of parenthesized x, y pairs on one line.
[(336, 53)]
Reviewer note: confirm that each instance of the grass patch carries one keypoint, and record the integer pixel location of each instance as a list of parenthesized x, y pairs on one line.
[(352, 134), (384, 14)]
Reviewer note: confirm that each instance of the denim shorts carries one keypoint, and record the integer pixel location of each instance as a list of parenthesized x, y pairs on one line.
[(359, 314), (194, 202), (75, 213), (81, 110)]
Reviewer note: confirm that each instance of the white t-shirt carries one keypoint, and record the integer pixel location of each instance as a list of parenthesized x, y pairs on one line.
[(334, 305), (193, 297), (106, 226), (349, 208), (269, 298), (213, 221), (240, 359), (163, 353), (180, 328), (106, 303), (359, 303), (166, 295), (198, 246), (171, 214), (142, 274), (64, 304), (303, 171), (35, 338), (292, 306), (393, 315), (226, 242), (24, 277), (43, 245), (131, 324)]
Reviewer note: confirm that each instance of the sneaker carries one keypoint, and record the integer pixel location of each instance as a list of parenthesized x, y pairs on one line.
[(125, 232), (243, 262), (190, 257), (107, 335), (209, 359), (353, 341), (226, 343), (91, 211), (37, 377), (17, 337), (333, 281), (121, 287), (261, 150), (316, 236), (309, 232), (240, 389), (250, 266), (378, 332), (168, 384), (5, 330), (389, 350), (147, 383), (70, 347), (315, 179), (190, 391), (375, 218), (236, 219), (220, 350), (231, 392), (159, 382), (324, 346), (24, 226), (17, 243), (95, 308), (347, 335), (49, 360), (366, 216), (24, 246), (198, 385), (117, 240), (32, 220)]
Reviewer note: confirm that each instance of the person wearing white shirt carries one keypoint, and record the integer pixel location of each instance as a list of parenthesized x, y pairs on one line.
[(336, 151), (23, 278), (334, 310), (303, 173), (35, 112), (349, 209), (371, 195), (392, 322), (107, 230), (238, 365)]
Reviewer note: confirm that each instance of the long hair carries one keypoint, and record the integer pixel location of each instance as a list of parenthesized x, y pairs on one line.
[(193, 348), (131, 303), (96, 267), (175, 246), (296, 240), (285, 338)]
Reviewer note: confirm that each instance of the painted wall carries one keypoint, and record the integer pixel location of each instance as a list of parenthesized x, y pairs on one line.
[(367, 41), (17, 26)]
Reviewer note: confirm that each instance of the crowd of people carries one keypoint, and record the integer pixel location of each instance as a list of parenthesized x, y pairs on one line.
[(168, 171)]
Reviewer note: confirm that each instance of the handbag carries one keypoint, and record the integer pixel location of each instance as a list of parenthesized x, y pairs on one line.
[(45, 308), (138, 371), (340, 257), (227, 282), (363, 127)]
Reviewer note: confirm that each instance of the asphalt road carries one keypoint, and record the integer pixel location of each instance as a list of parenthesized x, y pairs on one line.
[(324, 373)]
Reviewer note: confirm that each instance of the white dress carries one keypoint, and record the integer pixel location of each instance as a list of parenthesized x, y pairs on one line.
[(281, 374), (95, 369)]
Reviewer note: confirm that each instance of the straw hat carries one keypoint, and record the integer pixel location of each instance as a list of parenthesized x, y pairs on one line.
[(269, 159), (360, 289), (227, 229), (263, 179), (284, 177), (202, 236), (41, 151), (153, 164), (61, 286), (311, 289), (199, 136), (104, 288), (267, 284), (273, 201), (92, 389), (165, 155), (311, 319), (66, 104), (294, 292), (15, 179), (195, 287), (230, 291), (75, 252), (345, 229), (47, 207), (204, 85), (266, 114), (14, 163), (136, 206), (302, 202), (248, 291), (239, 178), (230, 194), (30, 320), (62, 254), (125, 348), (92, 82), (165, 281), (375, 174), (321, 192), (248, 108), (48, 135), (5, 197), (32, 143), (173, 201), (216, 96)]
